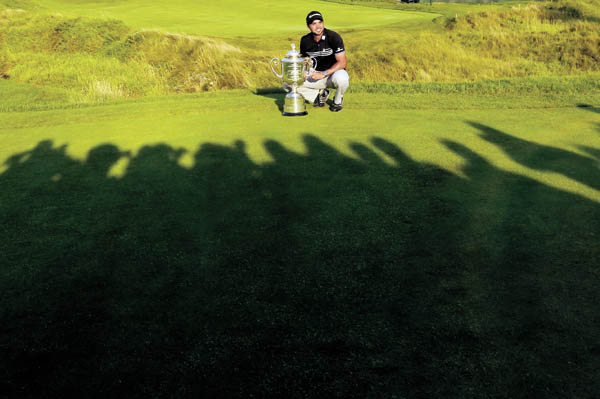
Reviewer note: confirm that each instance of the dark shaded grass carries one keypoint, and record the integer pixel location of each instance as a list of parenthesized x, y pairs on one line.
[(314, 275)]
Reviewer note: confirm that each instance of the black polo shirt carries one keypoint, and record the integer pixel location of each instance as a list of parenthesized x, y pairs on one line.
[(325, 50)]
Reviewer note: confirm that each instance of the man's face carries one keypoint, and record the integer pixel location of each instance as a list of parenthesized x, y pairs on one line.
[(316, 27)]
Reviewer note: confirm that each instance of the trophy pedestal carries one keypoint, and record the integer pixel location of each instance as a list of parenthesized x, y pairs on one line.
[(294, 69), (294, 104)]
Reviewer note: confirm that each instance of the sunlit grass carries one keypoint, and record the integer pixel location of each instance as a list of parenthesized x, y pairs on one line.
[(160, 237), (228, 117), (490, 42), (230, 17)]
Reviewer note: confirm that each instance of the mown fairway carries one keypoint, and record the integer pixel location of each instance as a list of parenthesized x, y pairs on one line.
[(429, 241), (208, 246), (228, 18)]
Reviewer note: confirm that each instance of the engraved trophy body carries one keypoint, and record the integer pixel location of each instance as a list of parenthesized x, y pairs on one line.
[(293, 71)]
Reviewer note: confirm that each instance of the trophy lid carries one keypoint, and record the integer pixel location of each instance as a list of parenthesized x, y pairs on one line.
[(293, 53)]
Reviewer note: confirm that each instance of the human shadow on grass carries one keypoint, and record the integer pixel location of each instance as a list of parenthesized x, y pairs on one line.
[(276, 94), (542, 157), (317, 274), (589, 107), (594, 152)]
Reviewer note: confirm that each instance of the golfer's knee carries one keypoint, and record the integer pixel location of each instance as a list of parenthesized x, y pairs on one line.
[(340, 80)]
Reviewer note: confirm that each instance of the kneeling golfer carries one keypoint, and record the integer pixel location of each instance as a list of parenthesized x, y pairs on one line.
[(327, 47)]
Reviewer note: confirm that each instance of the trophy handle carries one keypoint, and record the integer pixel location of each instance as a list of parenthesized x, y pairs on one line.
[(277, 62), (310, 65)]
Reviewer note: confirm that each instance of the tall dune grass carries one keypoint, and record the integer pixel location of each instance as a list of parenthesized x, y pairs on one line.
[(539, 39), (98, 60), (191, 63), (558, 34), (104, 59)]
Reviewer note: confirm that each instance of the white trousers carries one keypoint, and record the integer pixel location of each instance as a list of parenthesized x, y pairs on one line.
[(338, 81)]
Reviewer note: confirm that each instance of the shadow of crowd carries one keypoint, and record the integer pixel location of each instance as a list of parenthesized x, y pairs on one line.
[(314, 275)]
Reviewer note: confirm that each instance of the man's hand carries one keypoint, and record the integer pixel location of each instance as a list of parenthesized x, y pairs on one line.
[(339, 64), (317, 75)]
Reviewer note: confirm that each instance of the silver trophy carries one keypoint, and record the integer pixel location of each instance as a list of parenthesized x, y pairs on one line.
[(293, 71)]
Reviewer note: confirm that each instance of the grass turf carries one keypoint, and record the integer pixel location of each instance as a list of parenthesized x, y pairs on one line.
[(441, 241), (97, 60), (230, 18), (207, 246)]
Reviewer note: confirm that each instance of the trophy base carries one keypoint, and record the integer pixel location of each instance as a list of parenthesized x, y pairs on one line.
[(295, 113), (294, 104)]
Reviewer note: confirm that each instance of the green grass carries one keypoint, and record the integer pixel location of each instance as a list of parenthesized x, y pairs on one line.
[(536, 92), (227, 18), (206, 245), (99, 60), (22, 96), (438, 238), (446, 9)]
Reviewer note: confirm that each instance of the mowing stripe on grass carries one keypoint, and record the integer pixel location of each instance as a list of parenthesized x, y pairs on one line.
[(233, 18)]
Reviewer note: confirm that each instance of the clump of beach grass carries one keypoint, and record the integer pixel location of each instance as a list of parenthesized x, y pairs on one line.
[(99, 60), (538, 39)]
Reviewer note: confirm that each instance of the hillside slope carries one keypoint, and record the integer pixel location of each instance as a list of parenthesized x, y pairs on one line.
[(99, 59)]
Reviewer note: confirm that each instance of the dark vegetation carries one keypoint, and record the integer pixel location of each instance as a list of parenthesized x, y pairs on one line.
[(315, 275)]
